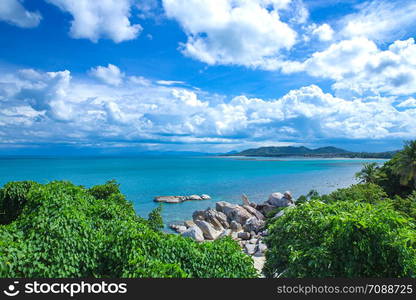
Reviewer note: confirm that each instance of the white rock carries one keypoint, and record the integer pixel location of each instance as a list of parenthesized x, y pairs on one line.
[(250, 248), (233, 212), (245, 199), (236, 226), (276, 199), (216, 218), (262, 247), (253, 224), (170, 199), (254, 212), (259, 264), (224, 207), (178, 228), (195, 233), (181, 229), (208, 230)]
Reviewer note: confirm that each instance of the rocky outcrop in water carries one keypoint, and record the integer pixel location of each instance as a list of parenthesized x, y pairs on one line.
[(244, 223), (180, 199)]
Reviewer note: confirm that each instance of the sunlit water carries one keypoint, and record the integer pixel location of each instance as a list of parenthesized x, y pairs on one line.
[(143, 178)]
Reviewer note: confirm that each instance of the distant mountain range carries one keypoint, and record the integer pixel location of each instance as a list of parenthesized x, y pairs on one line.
[(302, 151)]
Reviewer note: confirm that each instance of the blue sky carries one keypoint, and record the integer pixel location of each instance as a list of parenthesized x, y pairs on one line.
[(201, 75)]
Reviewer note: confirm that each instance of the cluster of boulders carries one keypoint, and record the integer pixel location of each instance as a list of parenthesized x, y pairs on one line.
[(244, 223), (179, 199)]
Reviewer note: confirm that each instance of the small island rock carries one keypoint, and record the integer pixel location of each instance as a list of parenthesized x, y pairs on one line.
[(180, 199)]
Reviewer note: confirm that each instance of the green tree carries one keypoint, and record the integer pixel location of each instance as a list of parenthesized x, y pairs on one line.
[(405, 164), (104, 191), (155, 219), (370, 173)]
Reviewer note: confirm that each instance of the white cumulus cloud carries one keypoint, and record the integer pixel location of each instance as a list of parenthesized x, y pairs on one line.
[(236, 32), (409, 103), (100, 19), (358, 67), (110, 74), (84, 112), (324, 32), (13, 12), (381, 21)]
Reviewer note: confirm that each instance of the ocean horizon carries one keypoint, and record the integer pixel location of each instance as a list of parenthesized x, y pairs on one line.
[(142, 178)]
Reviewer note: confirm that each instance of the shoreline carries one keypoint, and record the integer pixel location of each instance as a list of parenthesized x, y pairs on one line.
[(295, 158)]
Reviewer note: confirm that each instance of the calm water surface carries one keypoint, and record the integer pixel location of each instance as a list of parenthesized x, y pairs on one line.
[(143, 178)]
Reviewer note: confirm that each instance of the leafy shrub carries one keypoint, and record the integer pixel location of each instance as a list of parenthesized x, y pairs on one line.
[(313, 194), (175, 255), (104, 191), (12, 200), (341, 239), (406, 206), (58, 237), (68, 231), (369, 193)]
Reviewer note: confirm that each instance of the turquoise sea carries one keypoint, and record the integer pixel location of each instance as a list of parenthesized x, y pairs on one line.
[(224, 178)]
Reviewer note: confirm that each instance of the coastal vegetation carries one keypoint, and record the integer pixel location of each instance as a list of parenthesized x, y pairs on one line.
[(63, 230), (342, 239)]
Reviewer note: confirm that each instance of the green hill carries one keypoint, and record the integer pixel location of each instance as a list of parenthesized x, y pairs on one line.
[(307, 152)]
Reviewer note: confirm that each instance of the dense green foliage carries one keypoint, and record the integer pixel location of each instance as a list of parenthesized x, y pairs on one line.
[(365, 230), (370, 193), (390, 182), (104, 191), (406, 206), (12, 200), (342, 239), (63, 230), (305, 198)]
